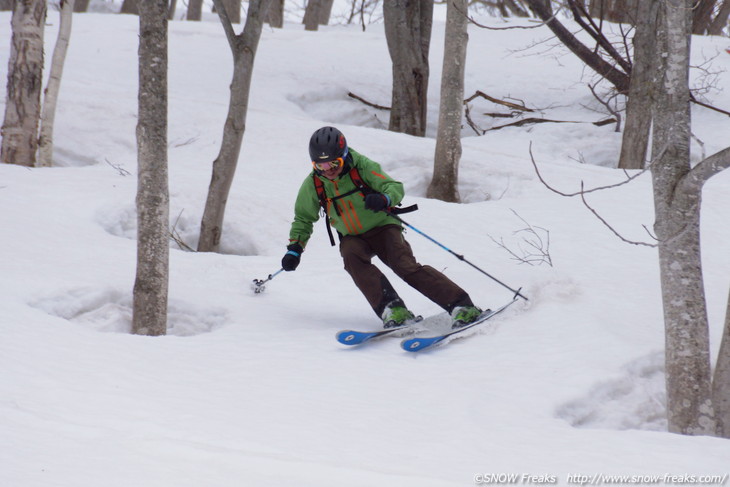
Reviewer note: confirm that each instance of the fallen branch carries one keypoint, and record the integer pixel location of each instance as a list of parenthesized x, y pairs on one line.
[(501, 115), (118, 167), (471, 123), (370, 104), (498, 101), (526, 121)]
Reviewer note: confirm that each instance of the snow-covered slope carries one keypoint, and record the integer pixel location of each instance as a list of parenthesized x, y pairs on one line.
[(253, 389)]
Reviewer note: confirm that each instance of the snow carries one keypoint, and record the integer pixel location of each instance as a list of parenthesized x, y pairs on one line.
[(251, 389)]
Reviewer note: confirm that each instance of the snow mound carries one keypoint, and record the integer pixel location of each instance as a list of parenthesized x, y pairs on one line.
[(340, 109), (110, 310), (184, 230), (637, 400)]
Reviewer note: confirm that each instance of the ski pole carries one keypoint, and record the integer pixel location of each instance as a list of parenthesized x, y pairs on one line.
[(458, 256), (258, 284)]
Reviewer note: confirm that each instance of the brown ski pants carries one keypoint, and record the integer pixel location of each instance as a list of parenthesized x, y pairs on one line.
[(388, 244)]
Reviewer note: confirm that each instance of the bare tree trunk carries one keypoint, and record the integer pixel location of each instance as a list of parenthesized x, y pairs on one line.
[(325, 11), (515, 8), (81, 6), (25, 79), (408, 33), (444, 185), (721, 381), (233, 9), (151, 283), (195, 10), (45, 141), (171, 10), (275, 17), (312, 15), (702, 15), (244, 48), (677, 202), (131, 7), (720, 21), (638, 110)]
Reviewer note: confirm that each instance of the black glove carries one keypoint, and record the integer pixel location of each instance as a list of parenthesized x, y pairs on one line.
[(292, 257), (377, 201)]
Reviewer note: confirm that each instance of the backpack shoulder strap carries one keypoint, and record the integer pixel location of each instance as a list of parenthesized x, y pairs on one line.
[(358, 181), (324, 203), (365, 189)]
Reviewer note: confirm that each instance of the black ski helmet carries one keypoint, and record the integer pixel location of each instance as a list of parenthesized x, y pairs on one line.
[(327, 144)]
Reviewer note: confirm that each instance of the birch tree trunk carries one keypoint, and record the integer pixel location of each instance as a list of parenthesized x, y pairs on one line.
[(408, 33), (151, 284), (638, 108), (244, 48), (275, 16), (48, 117), (312, 15), (81, 6), (444, 185), (696, 402), (677, 200), (325, 11), (25, 80), (721, 381), (131, 7), (195, 10)]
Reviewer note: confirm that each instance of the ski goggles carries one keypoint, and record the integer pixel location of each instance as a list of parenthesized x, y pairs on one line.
[(326, 166)]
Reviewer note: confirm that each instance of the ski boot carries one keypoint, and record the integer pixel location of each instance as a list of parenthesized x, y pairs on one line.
[(463, 315), (395, 316)]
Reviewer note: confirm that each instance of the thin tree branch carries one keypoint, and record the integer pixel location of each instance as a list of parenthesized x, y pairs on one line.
[(541, 247), (606, 104), (467, 115), (595, 213), (605, 69), (370, 104), (512, 27), (175, 235), (697, 102), (594, 31), (582, 191)]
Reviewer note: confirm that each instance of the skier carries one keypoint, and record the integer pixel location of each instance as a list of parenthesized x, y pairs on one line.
[(359, 211)]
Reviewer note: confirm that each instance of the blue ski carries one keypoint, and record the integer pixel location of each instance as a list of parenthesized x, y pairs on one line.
[(353, 337), (421, 343)]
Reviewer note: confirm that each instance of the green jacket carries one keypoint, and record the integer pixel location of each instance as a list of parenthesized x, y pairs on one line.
[(353, 218)]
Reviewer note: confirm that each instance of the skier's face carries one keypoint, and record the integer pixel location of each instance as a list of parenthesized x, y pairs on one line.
[(330, 169), (332, 173)]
